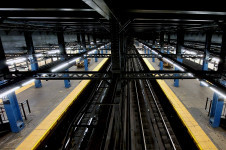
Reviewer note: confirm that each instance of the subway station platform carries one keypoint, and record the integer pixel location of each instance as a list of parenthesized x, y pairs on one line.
[(193, 97), (42, 102)]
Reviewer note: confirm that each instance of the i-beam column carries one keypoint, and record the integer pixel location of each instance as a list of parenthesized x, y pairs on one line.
[(180, 43), (162, 48), (60, 37), (10, 101), (218, 101), (206, 51), (32, 57)]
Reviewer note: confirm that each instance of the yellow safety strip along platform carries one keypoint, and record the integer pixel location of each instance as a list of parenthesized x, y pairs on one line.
[(199, 136), (34, 139)]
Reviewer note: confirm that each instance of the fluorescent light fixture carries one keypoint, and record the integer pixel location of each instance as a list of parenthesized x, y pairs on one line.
[(28, 82), (74, 60), (59, 67), (17, 60), (216, 59), (154, 52), (54, 51), (204, 83), (38, 55), (9, 91), (218, 92), (178, 67), (91, 52), (190, 74), (169, 61)]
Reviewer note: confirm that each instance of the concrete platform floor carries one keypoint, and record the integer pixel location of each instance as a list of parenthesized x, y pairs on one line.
[(42, 101), (193, 96)]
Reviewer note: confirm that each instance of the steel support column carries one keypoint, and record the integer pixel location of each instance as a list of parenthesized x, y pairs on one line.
[(206, 52), (168, 43), (162, 48), (32, 57), (13, 112), (115, 51), (153, 57), (222, 63), (79, 42), (180, 42), (3, 66), (106, 48), (83, 42), (60, 37), (86, 64), (216, 109), (122, 41), (96, 58), (94, 39)]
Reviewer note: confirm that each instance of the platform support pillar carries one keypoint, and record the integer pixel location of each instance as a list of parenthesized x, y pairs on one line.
[(34, 67), (176, 81), (168, 42), (216, 110), (3, 66), (153, 57), (206, 51), (60, 37), (79, 42), (13, 112), (86, 64), (168, 52), (83, 42), (162, 48), (180, 42), (222, 63), (96, 58), (32, 58), (106, 48), (67, 82)]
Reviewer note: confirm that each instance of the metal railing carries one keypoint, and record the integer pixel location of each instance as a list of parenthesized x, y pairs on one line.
[(3, 116), (24, 109), (209, 105)]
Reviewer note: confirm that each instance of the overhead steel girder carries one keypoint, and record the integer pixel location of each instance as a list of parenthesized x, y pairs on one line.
[(80, 75), (98, 55), (72, 76), (157, 75), (105, 76)]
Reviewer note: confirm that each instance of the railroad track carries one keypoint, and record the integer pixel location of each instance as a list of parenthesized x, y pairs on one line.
[(138, 123), (149, 126), (80, 130)]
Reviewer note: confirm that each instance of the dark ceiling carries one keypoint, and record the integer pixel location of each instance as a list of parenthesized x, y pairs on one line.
[(143, 16)]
